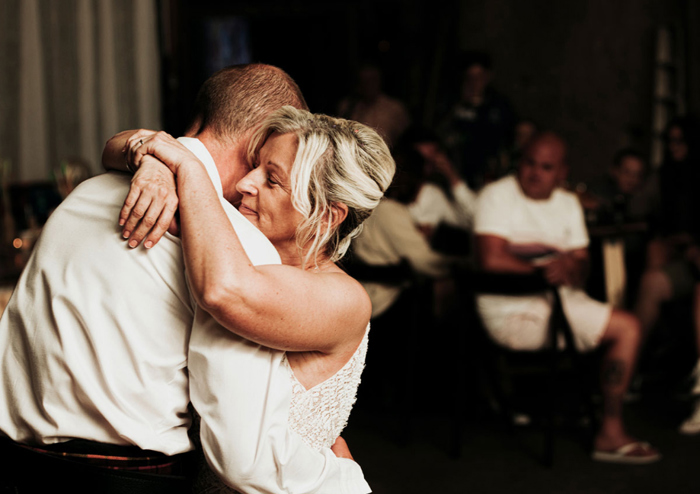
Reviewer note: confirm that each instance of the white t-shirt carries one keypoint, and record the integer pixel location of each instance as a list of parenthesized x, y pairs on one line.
[(433, 207), (533, 228)]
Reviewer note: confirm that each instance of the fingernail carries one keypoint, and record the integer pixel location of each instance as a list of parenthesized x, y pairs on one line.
[(133, 243), (121, 222), (148, 244), (126, 234)]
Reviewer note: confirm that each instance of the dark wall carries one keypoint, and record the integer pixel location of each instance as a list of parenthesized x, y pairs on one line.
[(582, 68)]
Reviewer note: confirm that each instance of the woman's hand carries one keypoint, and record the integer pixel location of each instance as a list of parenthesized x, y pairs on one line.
[(152, 202), (171, 152), (149, 208), (133, 142), (340, 449)]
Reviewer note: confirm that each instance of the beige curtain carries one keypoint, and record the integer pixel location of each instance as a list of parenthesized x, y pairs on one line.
[(72, 74)]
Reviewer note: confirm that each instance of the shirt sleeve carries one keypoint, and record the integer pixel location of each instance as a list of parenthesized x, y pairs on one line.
[(465, 204), (579, 232), (428, 208), (410, 244)]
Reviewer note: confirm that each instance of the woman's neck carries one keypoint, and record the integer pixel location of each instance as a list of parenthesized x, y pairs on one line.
[(292, 256)]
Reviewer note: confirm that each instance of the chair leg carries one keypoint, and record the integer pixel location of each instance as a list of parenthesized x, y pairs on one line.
[(548, 453)]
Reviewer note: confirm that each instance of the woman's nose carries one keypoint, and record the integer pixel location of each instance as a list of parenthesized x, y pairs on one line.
[(246, 185)]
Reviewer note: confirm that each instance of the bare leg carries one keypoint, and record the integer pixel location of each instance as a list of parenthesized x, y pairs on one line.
[(622, 339), (655, 289)]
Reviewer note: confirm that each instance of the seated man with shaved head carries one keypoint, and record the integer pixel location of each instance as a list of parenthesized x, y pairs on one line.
[(524, 223)]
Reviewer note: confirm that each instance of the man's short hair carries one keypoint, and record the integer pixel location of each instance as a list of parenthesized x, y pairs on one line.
[(237, 99)]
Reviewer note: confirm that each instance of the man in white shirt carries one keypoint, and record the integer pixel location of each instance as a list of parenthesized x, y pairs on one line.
[(94, 343), (525, 223)]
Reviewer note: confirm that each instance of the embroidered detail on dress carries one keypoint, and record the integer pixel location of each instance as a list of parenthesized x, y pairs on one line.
[(320, 413)]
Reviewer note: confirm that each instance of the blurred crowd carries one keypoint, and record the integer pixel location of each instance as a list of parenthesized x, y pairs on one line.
[(487, 191)]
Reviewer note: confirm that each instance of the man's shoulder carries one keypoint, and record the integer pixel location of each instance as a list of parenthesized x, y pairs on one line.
[(565, 198), (106, 189), (506, 186)]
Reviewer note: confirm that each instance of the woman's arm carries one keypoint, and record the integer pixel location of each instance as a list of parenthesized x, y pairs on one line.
[(278, 306)]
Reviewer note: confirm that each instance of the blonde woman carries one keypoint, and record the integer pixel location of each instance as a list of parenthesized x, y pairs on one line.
[(314, 180)]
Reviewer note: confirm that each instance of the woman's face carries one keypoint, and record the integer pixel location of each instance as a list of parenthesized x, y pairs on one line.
[(266, 191)]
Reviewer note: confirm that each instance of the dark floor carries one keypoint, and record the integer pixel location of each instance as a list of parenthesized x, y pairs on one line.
[(492, 461)]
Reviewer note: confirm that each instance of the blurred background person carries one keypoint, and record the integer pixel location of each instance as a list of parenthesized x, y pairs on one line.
[(525, 223), (444, 205), (479, 127), (619, 198), (370, 106), (674, 253), (398, 268)]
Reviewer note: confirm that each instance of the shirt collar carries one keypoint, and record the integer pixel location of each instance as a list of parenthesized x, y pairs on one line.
[(201, 152)]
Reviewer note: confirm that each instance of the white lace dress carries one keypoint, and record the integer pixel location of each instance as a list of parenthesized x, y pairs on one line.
[(318, 414), (321, 413)]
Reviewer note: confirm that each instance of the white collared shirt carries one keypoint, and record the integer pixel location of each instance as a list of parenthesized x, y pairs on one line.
[(94, 341)]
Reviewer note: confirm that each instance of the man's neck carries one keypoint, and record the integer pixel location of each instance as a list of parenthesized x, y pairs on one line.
[(228, 158)]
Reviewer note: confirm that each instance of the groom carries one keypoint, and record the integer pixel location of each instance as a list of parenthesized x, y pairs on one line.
[(102, 347)]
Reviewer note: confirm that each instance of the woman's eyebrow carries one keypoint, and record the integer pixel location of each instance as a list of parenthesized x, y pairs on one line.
[(277, 168)]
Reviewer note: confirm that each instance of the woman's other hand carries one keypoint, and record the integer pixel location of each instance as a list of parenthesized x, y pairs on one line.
[(340, 449), (149, 208)]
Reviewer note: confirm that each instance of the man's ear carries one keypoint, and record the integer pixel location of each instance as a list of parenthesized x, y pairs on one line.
[(339, 212)]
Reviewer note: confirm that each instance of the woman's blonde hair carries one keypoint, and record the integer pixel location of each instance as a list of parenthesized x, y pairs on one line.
[(337, 161)]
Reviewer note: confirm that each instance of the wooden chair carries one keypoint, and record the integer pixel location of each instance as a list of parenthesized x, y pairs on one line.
[(497, 364)]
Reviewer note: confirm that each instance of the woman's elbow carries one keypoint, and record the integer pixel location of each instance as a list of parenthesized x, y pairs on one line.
[(211, 296), (219, 300)]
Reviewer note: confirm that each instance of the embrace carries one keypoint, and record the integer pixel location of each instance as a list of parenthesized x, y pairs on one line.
[(221, 358)]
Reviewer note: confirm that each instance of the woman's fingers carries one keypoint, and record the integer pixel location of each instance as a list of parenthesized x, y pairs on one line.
[(162, 225), (129, 203), (142, 215), (151, 204)]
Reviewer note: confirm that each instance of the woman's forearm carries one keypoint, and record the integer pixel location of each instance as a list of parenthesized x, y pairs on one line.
[(113, 155), (214, 256)]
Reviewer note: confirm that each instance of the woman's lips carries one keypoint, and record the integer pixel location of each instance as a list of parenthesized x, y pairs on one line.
[(243, 209)]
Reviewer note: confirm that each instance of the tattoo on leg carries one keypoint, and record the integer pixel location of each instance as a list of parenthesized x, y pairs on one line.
[(613, 372)]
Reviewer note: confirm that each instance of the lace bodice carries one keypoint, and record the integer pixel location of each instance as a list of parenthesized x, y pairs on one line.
[(321, 413)]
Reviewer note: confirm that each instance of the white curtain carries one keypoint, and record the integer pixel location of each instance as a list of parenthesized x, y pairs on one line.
[(72, 74)]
